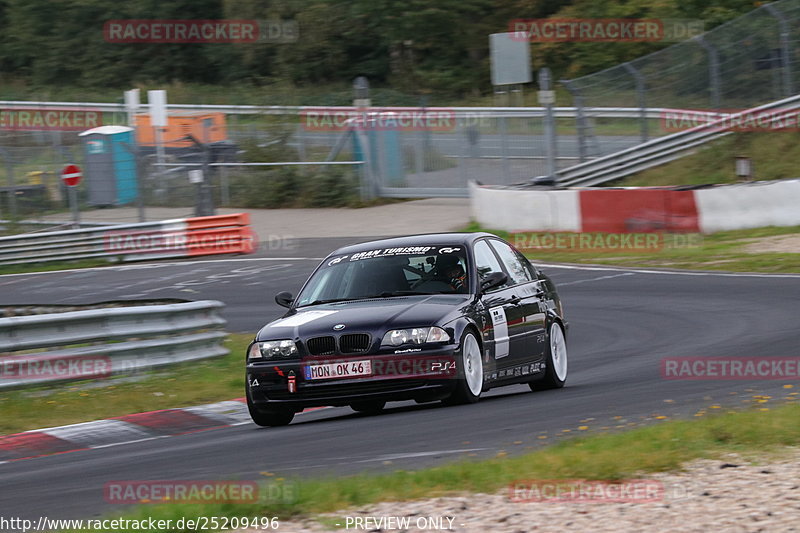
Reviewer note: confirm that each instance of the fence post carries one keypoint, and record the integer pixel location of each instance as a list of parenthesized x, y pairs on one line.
[(545, 84), (580, 118), (641, 92), (713, 70), (12, 184), (786, 50)]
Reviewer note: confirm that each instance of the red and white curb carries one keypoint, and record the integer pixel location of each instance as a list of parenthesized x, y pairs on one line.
[(124, 430)]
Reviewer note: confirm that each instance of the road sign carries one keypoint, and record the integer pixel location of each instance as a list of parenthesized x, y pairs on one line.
[(195, 176), (547, 97), (158, 107), (71, 175), (510, 59)]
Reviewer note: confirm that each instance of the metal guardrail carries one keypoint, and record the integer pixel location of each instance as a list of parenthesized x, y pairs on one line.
[(132, 242), (460, 112), (107, 341), (661, 150)]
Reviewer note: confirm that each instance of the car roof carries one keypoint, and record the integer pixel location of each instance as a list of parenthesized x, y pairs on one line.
[(414, 240)]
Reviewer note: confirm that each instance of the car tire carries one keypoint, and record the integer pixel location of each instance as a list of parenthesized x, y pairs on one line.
[(368, 407), (270, 417), (469, 382), (555, 374)]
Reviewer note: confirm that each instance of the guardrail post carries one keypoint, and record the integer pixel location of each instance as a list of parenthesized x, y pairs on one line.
[(786, 50), (641, 91), (713, 70)]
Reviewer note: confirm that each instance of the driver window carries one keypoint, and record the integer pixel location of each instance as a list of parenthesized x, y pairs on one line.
[(485, 260), (517, 272)]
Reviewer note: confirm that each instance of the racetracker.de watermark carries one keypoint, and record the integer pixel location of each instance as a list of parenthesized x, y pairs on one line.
[(604, 242), (197, 31), (604, 30), (730, 368), (675, 120), (394, 119), (197, 242), (49, 119), (586, 491), (67, 367), (198, 492)]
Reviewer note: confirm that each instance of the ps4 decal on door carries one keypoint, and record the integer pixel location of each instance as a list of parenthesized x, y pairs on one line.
[(500, 324)]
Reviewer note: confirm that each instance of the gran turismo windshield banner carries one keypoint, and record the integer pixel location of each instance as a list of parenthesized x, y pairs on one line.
[(395, 252)]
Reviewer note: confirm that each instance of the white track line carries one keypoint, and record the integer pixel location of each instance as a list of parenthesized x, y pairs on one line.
[(143, 266), (668, 272), (547, 265), (595, 279)]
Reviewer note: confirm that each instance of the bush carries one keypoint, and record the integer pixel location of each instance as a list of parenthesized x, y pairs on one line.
[(294, 187)]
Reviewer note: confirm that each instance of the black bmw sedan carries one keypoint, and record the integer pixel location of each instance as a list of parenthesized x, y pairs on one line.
[(440, 317)]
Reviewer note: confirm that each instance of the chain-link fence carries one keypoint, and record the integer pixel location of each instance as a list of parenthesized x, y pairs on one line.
[(281, 160), (748, 61)]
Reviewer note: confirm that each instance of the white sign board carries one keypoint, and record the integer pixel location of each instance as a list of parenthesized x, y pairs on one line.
[(195, 176), (132, 101), (511, 59), (547, 97), (158, 108)]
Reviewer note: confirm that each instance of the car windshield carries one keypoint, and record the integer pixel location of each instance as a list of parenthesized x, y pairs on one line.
[(388, 272)]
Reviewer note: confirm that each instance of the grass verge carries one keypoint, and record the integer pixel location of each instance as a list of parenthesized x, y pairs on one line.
[(719, 251), (774, 156), (50, 267), (187, 384), (662, 447)]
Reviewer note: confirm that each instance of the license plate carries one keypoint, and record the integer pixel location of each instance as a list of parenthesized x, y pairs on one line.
[(344, 369)]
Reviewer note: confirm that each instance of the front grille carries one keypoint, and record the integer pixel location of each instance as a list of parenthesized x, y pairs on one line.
[(321, 345), (354, 343)]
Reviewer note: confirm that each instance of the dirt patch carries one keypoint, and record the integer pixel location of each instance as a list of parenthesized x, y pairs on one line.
[(777, 244)]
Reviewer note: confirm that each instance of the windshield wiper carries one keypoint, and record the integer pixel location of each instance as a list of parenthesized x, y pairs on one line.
[(329, 301), (389, 294), (385, 294)]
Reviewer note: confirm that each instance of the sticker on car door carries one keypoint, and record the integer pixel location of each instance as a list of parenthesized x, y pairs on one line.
[(500, 324)]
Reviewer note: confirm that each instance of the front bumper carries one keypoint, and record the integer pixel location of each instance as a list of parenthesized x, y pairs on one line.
[(421, 376)]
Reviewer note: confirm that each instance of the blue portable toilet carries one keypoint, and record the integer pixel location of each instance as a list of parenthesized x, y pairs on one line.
[(109, 165)]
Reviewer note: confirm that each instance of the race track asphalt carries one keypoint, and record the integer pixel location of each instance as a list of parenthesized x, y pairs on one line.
[(623, 322)]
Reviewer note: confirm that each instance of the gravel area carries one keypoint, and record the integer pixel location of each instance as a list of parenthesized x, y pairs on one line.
[(777, 243), (730, 495)]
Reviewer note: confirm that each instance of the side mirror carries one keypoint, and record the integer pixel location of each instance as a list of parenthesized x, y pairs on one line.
[(495, 279), (284, 299)]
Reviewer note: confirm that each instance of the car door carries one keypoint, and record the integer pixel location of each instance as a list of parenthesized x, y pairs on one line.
[(501, 307), (528, 292)]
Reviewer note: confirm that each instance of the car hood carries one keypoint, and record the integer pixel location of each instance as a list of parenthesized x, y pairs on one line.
[(375, 315)]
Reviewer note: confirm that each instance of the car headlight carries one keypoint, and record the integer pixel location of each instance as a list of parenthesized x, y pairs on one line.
[(272, 349), (398, 337)]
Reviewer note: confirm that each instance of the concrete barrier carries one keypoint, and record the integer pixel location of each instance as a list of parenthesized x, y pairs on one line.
[(526, 210), (749, 205), (725, 207)]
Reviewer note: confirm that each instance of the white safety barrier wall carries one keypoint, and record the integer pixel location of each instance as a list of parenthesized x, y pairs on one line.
[(720, 208), (749, 205), (520, 209)]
